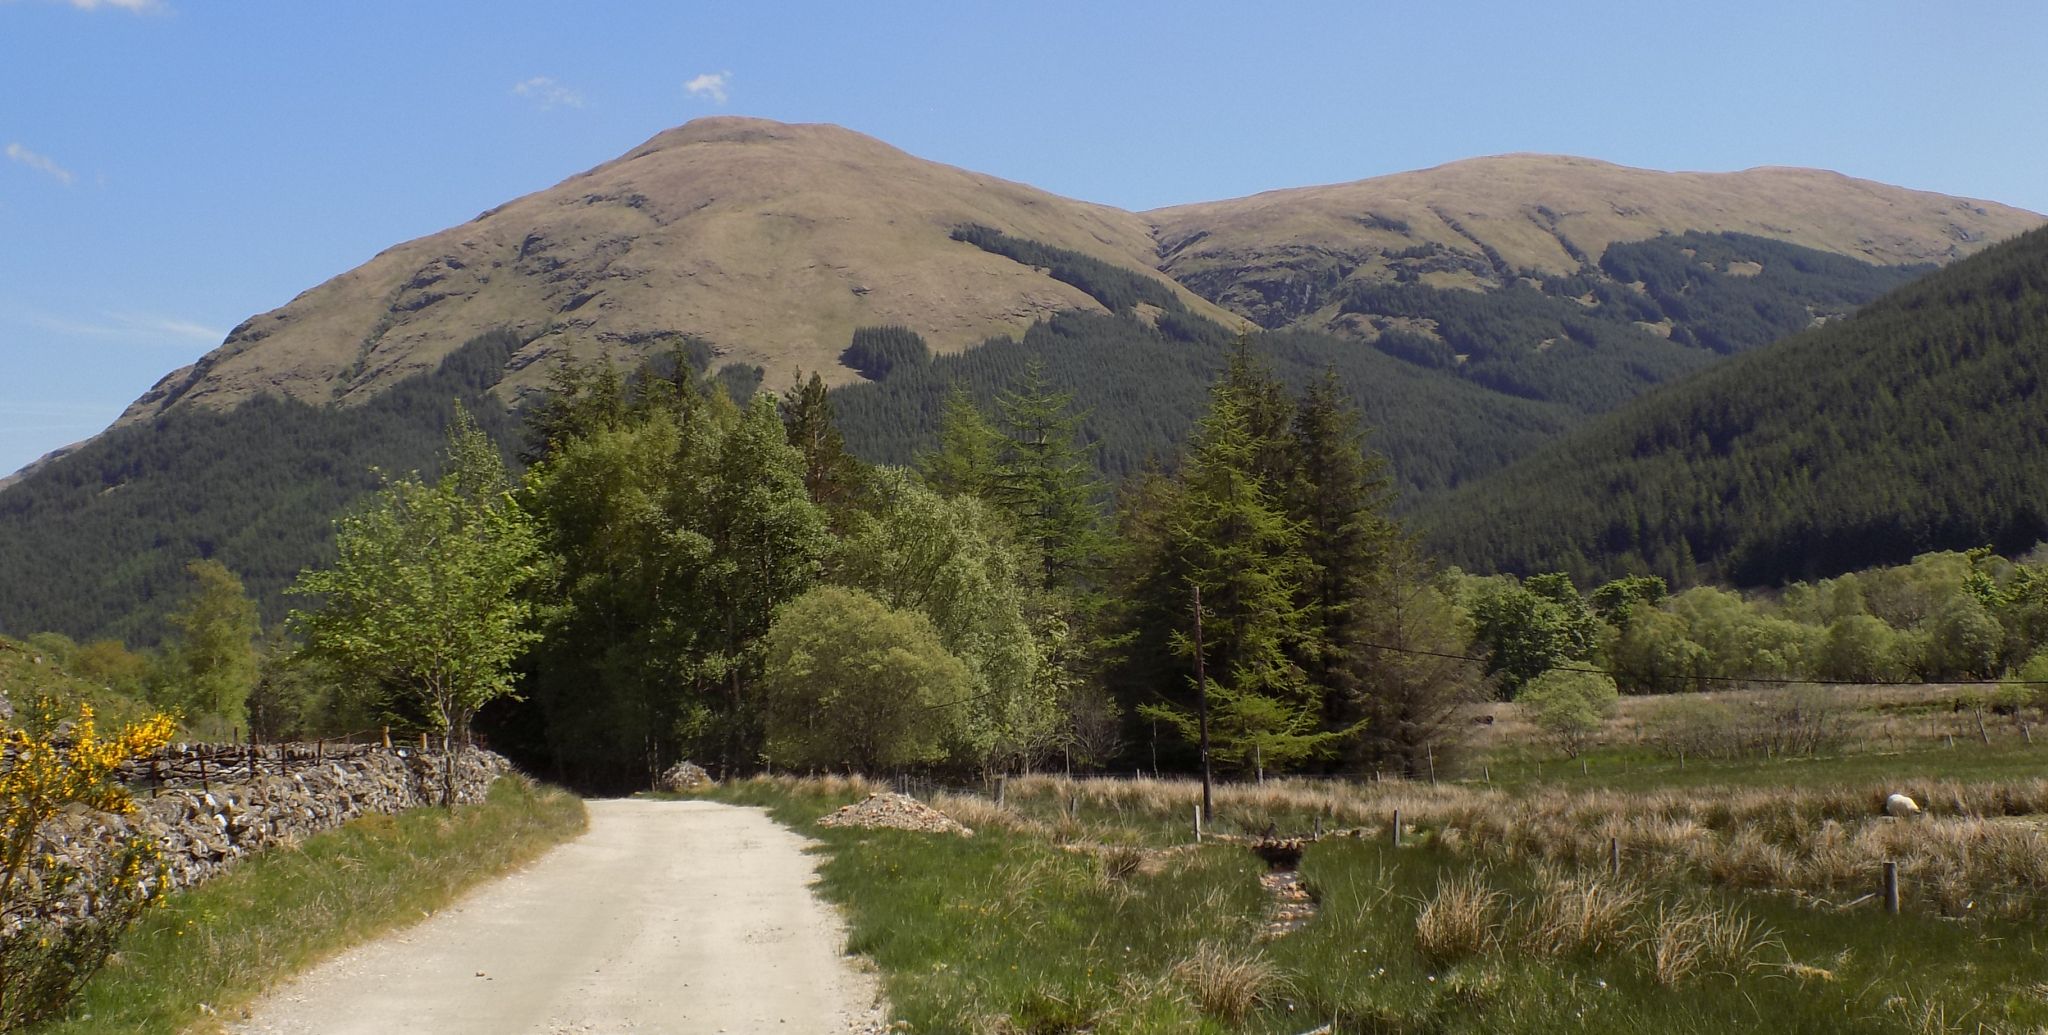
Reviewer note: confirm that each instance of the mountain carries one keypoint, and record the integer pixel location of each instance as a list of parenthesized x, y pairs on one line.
[(770, 242), (1917, 424), (1289, 257), (1478, 311)]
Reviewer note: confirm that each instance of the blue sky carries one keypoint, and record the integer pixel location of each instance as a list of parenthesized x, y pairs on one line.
[(171, 167)]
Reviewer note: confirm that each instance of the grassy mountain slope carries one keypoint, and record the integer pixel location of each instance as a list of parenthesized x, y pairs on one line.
[(773, 242), (1916, 424), (1283, 257)]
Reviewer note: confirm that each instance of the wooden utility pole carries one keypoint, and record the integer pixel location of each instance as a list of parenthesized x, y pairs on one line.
[(1202, 708)]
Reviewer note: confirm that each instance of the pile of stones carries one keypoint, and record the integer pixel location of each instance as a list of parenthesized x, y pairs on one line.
[(896, 812), (683, 777)]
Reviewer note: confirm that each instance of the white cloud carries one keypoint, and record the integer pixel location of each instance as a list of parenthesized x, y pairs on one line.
[(138, 6), (41, 163), (547, 94), (132, 327), (709, 85)]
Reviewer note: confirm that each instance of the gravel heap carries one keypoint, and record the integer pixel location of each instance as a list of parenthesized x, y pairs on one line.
[(683, 776), (896, 811)]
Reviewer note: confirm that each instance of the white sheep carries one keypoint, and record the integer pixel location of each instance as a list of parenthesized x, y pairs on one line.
[(1901, 807)]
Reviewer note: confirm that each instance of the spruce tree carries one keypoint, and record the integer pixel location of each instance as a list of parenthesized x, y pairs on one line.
[(1045, 480), (1337, 495), (831, 474), (1234, 541), (965, 463)]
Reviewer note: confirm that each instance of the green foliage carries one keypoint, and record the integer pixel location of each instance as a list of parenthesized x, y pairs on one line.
[(849, 681), (878, 350), (953, 561), (1569, 706), (424, 599), (1863, 442), (1860, 648), (1043, 479), (1527, 628), (831, 475), (681, 524), (969, 450), (1231, 541), (209, 665)]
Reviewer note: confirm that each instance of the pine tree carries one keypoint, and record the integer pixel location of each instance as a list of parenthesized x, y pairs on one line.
[(1338, 497), (831, 474), (966, 461), (1235, 543), (1045, 480)]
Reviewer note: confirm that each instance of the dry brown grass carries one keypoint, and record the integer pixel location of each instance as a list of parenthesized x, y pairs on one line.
[(1581, 914), (1981, 847), (1464, 918), (1228, 984), (1685, 939)]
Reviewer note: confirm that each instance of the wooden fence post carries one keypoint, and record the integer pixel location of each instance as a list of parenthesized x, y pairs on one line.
[(1397, 828), (1891, 887), (1614, 856), (1198, 824)]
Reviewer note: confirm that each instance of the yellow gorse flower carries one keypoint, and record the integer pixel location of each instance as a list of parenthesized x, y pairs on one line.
[(44, 778)]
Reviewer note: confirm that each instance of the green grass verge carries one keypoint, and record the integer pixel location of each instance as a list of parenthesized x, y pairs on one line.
[(216, 946), (1009, 933)]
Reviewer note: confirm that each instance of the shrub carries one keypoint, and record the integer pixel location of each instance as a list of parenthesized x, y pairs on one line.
[(1569, 706), (48, 945)]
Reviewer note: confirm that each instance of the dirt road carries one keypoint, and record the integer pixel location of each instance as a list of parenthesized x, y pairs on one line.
[(665, 917)]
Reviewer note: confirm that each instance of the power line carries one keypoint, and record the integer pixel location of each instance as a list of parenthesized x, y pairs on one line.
[(1730, 679)]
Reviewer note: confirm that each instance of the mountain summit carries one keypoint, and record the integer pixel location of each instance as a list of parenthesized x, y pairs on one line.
[(771, 242), (774, 242)]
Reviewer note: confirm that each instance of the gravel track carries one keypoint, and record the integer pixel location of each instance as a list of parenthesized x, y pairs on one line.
[(666, 916)]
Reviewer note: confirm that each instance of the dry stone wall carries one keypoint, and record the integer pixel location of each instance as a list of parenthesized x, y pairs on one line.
[(203, 829)]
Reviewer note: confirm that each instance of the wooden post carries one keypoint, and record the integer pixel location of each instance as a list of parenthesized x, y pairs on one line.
[(1891, 887), (1259, 762), (1319, 828), (1397, 828), (319, 749), (387, 738), (1198, 824), (423, 742), (155, 780), (1614, 856)]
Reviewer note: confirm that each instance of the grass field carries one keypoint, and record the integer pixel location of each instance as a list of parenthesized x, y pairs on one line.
[(218, 945), (1083, 906)]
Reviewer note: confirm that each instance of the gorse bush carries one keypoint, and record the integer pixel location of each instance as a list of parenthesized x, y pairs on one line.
[(59, 919)]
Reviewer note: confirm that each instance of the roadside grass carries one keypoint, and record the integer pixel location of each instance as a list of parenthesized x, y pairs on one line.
[(1079, 907), (216, 946)]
